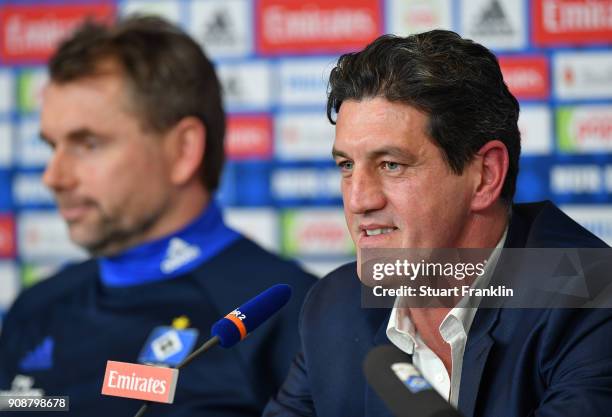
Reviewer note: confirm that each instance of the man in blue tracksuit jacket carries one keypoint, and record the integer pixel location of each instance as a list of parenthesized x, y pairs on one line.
[(134, 118)]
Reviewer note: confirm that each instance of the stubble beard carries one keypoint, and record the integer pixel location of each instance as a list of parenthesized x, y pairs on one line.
[(108, 236)]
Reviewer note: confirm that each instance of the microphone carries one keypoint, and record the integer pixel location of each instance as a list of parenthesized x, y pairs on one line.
[(390, 372), (235, 326), (238, 324)]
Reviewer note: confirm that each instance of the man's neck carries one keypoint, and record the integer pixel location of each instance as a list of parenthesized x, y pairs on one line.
[(182, 209), (426, 323), (484, 231)]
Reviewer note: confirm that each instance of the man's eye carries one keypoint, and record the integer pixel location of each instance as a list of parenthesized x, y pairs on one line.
[(90, 143), (391, 166), (345, 165)]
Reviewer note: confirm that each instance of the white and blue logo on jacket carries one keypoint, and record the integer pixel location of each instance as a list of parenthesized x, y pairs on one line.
[(169, 345)]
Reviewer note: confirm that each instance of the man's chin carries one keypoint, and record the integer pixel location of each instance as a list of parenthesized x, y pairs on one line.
[(363, 277), (93, 243)]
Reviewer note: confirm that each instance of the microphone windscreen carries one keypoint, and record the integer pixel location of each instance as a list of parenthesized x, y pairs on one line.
[(391, 374), (239, 323)]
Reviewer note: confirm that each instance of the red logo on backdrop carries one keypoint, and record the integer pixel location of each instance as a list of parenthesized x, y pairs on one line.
[(575, 22), (316, 25), (249, 137), (7, 236), (526, 76), (31, 32), (323, 232), (597, 127)]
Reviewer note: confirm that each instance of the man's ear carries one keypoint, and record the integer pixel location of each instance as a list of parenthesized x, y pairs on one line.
[(492, 162), (188, 142)]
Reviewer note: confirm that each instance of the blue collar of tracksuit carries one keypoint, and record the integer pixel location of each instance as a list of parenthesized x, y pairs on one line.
[(172, 255)]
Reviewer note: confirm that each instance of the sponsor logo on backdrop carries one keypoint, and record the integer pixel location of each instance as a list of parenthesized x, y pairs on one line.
[(6, 145), (576, 179), (535, 125), (303, 81), (316, 232), (260, 225), (43, 235), (584, 129), (28, 189), (31, 151), (223, 27), (303, 136), (249, 137), (29, 89), (577, 22), (583, 75), (31, 32), (246, 86), (597, 219), (168, 9), (316, 25), (6, 91), (9, 284), (526, 76), (405, 17), (497, 24), (306, 183), (7, 236)]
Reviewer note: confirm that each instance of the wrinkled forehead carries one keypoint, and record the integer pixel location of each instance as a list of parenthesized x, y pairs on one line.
[(376, 123)]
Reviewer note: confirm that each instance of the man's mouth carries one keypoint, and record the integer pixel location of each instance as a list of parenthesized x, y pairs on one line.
[(373, 235), (381, 231), (72, 211)]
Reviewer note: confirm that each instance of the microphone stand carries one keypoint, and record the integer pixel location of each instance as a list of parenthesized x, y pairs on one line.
[(213, 341)]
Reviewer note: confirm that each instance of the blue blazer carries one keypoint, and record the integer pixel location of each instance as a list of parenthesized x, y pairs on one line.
[(517, 362)]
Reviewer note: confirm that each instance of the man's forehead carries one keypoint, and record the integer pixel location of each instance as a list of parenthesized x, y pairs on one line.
[(405, 154), (87, 104), (105, 84), (380, 127), (103, 93), (380, 109)]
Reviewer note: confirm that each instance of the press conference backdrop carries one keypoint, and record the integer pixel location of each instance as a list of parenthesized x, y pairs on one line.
[(280, 185)]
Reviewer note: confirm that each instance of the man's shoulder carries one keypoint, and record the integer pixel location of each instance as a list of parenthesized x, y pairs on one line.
[(340, 284), (545, 225), (336, 294), (246, 258), (244, 269), (67, 282)]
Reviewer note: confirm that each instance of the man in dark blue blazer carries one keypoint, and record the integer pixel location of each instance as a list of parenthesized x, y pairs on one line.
[(428, 146)]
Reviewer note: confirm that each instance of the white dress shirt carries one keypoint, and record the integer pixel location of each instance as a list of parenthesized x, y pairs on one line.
[(453, 329)]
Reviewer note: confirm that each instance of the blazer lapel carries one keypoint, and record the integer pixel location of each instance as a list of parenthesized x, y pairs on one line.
[(475, 358), (479, 341)]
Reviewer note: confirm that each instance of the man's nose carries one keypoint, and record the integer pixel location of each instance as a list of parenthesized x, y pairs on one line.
[(364, 192), (59, 172)]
